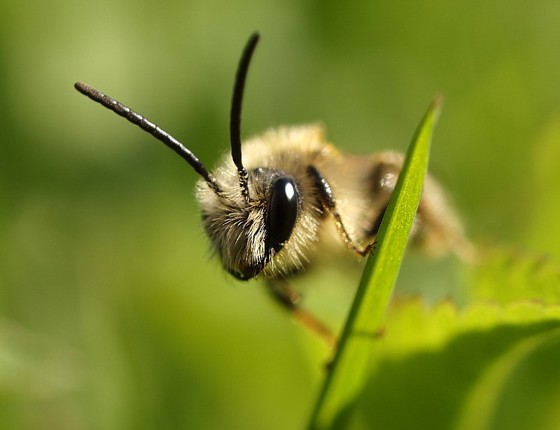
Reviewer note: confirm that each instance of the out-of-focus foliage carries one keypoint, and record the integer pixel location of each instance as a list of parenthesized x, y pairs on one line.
[(112, 315)]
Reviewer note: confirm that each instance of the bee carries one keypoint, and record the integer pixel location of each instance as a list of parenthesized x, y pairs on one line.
[(277, 198)]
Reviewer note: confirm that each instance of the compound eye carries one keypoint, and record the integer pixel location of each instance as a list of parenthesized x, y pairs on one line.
[(283, 210)]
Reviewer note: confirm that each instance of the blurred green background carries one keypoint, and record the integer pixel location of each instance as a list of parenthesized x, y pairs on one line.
[(112, 314)]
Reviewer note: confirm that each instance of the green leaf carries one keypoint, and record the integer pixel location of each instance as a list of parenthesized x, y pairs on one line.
[(488, 364), (507, 275), (348, 371)]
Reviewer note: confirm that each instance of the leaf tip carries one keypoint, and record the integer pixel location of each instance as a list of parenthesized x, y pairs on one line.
[(437, 104)]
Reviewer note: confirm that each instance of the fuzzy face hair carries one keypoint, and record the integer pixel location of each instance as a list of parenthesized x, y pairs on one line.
[(238, 229)]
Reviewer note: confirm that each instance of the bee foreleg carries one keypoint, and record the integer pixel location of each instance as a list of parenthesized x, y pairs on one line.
[(328, 201), (289, 299)]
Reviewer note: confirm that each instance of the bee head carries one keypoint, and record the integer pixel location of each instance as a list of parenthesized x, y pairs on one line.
[(252, 215), (248, 215), (248, 233)]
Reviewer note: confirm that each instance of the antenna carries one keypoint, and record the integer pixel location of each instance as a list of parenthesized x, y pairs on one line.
[(235, 114), (146, 125)]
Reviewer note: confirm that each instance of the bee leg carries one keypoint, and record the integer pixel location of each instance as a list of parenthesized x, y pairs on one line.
[(329, 202), (280, 291)]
